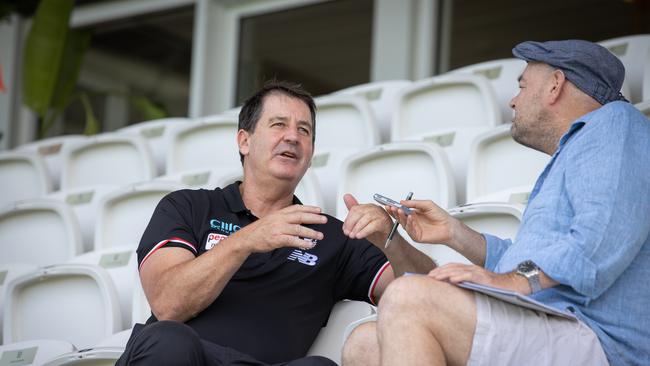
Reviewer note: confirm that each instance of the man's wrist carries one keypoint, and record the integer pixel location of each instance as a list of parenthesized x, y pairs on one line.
[(529, 271)]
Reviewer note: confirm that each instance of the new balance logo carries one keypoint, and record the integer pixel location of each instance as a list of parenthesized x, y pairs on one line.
[(302, 257)]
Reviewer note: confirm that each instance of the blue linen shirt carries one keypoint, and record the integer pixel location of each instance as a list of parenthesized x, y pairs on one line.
[(587, 226)]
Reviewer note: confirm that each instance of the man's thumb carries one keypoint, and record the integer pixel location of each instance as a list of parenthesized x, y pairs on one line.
[(350, 201)]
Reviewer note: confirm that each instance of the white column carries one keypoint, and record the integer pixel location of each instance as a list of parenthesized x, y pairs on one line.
[(404, 39), (214, 59)]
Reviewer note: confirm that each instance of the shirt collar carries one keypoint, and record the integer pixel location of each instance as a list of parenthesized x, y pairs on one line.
[(236, 203), (233, 198), (575, 126)]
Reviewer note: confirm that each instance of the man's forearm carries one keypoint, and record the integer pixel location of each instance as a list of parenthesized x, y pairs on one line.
[(468, 242), (404, 257), (184, 290)]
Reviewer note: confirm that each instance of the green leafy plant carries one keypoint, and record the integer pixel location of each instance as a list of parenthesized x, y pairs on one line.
[(53, 57)]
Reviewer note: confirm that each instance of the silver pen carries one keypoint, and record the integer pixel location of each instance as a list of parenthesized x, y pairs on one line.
[(395, 224)]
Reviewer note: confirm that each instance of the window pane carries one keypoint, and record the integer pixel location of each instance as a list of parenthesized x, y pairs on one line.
[(135, 69), (488, 30), (325, 47)]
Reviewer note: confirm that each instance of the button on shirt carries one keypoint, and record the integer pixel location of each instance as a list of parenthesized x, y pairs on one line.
[(587, 226)]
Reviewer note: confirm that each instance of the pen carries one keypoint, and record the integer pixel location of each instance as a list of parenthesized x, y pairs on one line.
[(392, 231)]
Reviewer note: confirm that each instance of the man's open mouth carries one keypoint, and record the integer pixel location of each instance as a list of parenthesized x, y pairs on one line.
[(289, 154)]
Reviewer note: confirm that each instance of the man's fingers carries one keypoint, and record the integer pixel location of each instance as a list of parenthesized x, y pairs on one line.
[(296, 242), (359, 226), (418, 204), (302, 208), (350, 201), (305, 232), (306, 218)]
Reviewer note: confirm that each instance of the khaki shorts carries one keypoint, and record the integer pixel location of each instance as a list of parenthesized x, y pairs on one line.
[(507, 334)]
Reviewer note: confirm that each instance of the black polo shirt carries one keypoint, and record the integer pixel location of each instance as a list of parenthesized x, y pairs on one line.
[(276, 303)]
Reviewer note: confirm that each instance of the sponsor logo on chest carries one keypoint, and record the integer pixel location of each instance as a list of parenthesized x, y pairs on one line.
[(305, 258), (214, 239), (223, 226)]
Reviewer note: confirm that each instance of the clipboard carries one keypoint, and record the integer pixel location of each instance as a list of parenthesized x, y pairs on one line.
[(517, 299)]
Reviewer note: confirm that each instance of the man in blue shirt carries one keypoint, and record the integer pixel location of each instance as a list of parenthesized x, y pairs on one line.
[(583, 245)]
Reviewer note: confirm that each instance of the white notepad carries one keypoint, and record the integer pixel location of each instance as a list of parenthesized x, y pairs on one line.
[(517, 299)]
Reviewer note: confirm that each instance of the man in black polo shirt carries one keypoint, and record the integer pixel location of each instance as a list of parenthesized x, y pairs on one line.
[(246, 275)]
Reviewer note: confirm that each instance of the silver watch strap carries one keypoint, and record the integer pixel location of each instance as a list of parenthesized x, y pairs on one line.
[(534, 283)]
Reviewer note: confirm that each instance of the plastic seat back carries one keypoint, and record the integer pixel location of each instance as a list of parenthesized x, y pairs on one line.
[(39, 232), (107, 159), (23, 175), (72, 302)]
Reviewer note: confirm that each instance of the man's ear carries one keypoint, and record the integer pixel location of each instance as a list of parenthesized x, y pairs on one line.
[(556, 86), (243, 142)]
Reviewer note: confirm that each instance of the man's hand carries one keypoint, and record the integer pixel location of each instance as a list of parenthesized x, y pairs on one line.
[(456, 273), (283, 228), (366, 221), (427, 224)]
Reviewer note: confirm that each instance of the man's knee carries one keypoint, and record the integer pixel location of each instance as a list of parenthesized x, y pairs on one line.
[(165, 342), (167, 332), (422, 296), (406, 292), (361, 347)]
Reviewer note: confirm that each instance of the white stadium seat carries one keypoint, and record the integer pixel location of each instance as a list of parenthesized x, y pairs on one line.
[(382, 96), (119, 339), (38, 232), (34, 353), (345, 121), (444, 102), (124, 213), (72, 302), (457, 143), (141, 310), (155, 133), (23, 175), (205, 178), (209, 143), (503, 74), (329, 341), (50, 149), (107, 159), (634, 52), (395, 169), (7, 273), (502, 170), (96, 356), (500, 219), (121, 263), (327, 165), (85, 202)]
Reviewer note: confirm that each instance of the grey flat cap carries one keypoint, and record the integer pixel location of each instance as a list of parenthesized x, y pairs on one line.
[(589, 66)]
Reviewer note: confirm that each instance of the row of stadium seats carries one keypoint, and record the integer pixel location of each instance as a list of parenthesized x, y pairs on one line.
[(73, 208), (91, 301), (474, 158)]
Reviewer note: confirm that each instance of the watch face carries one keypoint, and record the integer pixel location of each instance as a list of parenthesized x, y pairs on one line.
[(527, 267)]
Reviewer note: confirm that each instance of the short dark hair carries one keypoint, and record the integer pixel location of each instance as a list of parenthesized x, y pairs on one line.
[(251, 111)]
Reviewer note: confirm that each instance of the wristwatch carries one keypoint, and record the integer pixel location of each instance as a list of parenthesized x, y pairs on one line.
[(530, 270)]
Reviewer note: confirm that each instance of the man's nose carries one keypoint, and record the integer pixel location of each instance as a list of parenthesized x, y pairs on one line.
[(291, 135)]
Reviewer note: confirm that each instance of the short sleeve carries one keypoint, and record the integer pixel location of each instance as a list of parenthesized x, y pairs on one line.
[(170, 226), (495, 248), (360, 266)]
